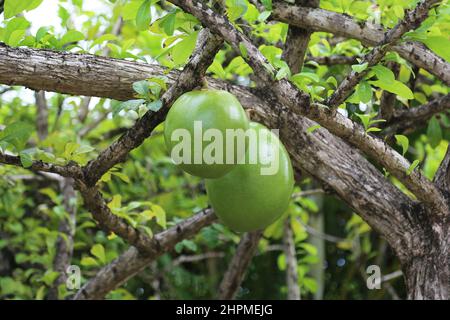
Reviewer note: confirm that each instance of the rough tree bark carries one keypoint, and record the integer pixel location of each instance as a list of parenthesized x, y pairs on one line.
[(418, 231)]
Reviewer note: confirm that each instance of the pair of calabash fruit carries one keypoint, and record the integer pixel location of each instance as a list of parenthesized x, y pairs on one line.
[(243, 194)]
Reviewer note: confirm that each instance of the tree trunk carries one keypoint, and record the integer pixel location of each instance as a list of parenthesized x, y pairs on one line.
[(427, 278), (427, 274)]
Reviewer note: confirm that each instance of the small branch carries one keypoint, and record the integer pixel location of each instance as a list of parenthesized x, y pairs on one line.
[(42, 114), (297, 41), (207, 47), (94, 202), (236, 270), (333, 60), (291, 262), (321, 235), (306, 193), (71, 170), (64, 244), (131, 262), (198, 257), (391, 276), (412, 20), (414, 118)]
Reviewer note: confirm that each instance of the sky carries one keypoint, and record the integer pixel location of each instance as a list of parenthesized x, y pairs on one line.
[(47, 13)]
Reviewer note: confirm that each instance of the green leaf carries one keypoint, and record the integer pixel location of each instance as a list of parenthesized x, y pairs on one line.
[(236, 9), (168, 23), (360, 67), (143, 16), (440, 45), (14, 7), (364, 91), (183, 49), (71, 36), (25, 159), (17, 134), (412, 167), (42, 32), (15, 37), (402, 141), (98, 251), (160, 215), (89, 262), (396, 87), (384, 74), (141, 87), (243, 50), (313, 128), (155, 105), (14, 25), (267, 4), (127, 105), (434, 132), (264, 15)]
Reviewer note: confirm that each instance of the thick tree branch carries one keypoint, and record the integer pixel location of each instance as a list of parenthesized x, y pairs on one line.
[(297, 41), (412, 20), (132, 262), (369, 34), (291, 261), (207, 47), (236, 270), (442, 176), (71, 170)]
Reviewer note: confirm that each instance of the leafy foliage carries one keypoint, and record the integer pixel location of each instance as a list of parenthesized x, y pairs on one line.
[(151, 194)]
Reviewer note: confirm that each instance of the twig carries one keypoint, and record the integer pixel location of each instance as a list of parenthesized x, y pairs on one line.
[(291, 261), (236, 270)]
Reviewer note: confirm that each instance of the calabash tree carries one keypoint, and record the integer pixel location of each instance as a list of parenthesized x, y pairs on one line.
[(357, 89)]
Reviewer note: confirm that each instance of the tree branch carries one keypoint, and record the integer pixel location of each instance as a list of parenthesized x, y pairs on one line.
[(291, 261), (297, 41), (71, 170), (94, 202), (412, 20), (132, 262), (236, 270), (415, 117), (41, 114), (442, 176), (369, 34)]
